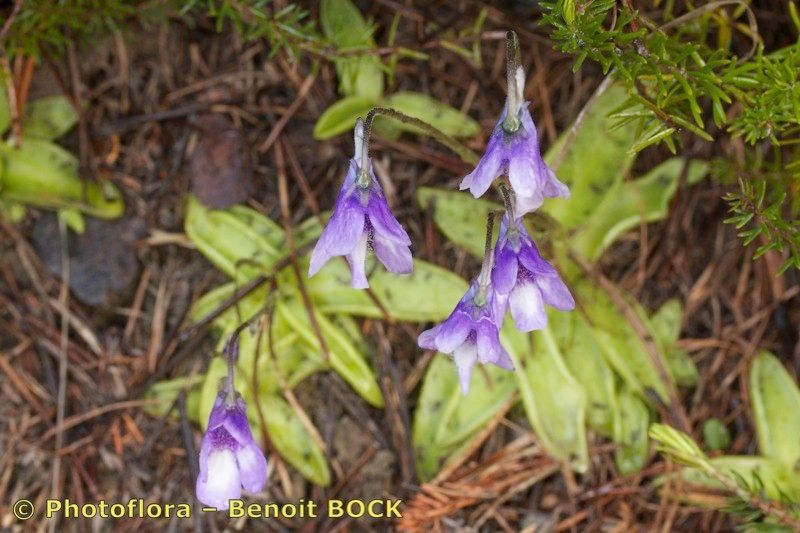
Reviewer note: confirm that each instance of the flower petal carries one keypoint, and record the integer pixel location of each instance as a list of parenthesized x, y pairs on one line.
[(357, 258), (448, 335), (555, 292), (553, 186), (528, 204), (341, 234), (219, 412), (252, 467), (533, 262), (219, 482), (522, 173), (527, 307), (395, 256), (464, 357), (489, 167), (381, 217), (489, 347), (238, 427), (504, 273)]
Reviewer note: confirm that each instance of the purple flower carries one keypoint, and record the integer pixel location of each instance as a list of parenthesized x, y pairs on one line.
[(525, 278), (513, 149), (362, 220), (229, 457), (470, 333)]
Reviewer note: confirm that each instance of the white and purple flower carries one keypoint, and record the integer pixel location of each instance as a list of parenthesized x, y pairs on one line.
[(525, 278), (513, 149), (362, 221), (229, 457), (471, 333)]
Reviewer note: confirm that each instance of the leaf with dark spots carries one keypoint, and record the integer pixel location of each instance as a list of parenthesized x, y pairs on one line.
[(219, 166), (103, 266)]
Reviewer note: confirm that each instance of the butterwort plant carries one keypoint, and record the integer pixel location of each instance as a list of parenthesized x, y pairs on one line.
[(521, 274), (362, 221), (513, 148), (471, 332), (513, 274), (230, 459)]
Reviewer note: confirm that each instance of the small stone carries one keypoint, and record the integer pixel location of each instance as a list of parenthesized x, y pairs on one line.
[(103, 266), (219, 165)]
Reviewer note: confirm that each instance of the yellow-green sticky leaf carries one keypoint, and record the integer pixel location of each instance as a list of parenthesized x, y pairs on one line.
[(631, 420), (343, 24), (345, 359), (73, 219), (553, 399), (445, 419), (776, 410), (240, 241), (428, 293), (439, 115), (13, 211), (584, 358), (43, 174), (49, 117), (630, 204), (666, 325), (459, 216), (292, 440), (5, 112), (598, 158), (618, 340), (341, 117)]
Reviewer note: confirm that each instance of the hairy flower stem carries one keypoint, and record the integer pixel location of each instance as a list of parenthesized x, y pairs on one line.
[(466, 155), (231, 354), (513, 81), (484, 278)]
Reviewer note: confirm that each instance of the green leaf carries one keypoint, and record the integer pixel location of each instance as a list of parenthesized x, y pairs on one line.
[(343, 24), (666, 324), (73, 219), (167, 391), (345, 359), (554, 401), (667, 320), (459, 216), (341, 116), (241, 242), (360, 75), (776, 410), (439, 115), (43, 174), (618, 340), (292, 440), (716, 435), (5, 112), (49, 117), (598, 159), (13, 211), (428, 293), (445, 418), (631, 203), (244, 308), (584, 358), (631, 420)]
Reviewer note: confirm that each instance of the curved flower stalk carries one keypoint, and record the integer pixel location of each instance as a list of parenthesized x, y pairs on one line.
[(471, 332), (230, 459), (525, 278), (362, 221), (513, 149)]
